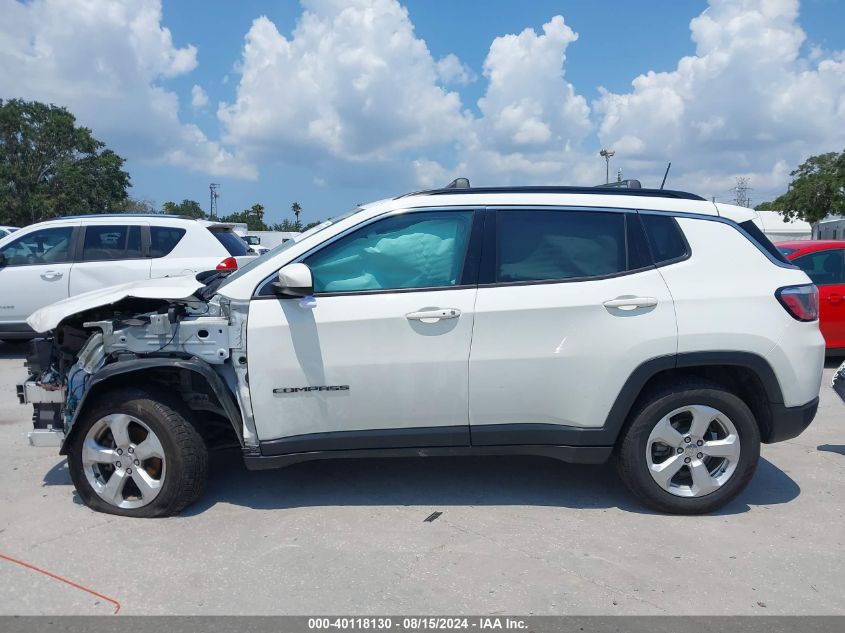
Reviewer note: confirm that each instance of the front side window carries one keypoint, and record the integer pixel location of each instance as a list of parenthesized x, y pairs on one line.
[(547, 245), (823, 267), (111, 242), (47, 246), (414, 250)]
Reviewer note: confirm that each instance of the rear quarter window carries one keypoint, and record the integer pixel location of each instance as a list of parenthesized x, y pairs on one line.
[(231, 242), (665, 238), (163, 239), (763, 242)]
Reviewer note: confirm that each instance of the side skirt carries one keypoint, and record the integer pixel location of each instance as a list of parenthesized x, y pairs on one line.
[(571, 454)]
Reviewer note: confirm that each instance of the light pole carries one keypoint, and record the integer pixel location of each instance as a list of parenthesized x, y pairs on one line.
[(606, 154)]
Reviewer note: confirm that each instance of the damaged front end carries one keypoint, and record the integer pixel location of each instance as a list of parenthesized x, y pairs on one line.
[(193, 347)]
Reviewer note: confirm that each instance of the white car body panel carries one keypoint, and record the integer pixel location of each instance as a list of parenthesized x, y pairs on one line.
[(728, 303), (174, 288), (400, 373), (554, 354)]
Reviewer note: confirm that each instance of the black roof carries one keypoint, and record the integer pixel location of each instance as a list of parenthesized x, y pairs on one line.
[(598, 191)]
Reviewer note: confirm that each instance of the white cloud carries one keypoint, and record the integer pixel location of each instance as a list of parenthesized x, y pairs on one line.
[(452, 70), (353, 83), (199, 97), (747, 103), (103, 60)]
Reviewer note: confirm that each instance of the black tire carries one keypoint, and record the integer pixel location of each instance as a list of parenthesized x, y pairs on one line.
[(631, 450), (185, 452)]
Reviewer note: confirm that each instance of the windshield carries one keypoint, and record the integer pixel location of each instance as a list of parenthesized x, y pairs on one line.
[(242, 270)]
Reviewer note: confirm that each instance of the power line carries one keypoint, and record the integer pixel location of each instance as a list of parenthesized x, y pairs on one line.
[(741, 197), (213, 195)]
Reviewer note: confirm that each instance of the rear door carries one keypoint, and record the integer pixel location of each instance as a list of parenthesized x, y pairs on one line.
[(827, 270), (568, 306), (107, 255)]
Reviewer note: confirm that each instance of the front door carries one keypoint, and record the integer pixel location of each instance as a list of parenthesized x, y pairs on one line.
[(34, 272), (378, 358), (826, 269)]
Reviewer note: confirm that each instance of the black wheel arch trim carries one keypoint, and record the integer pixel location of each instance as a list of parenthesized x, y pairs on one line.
[(121, 368)]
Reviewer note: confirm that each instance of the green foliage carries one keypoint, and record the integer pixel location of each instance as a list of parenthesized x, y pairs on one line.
[(288, 226), (50, 167), (252, 217), (132, 205), (817, 189), (189, 208)]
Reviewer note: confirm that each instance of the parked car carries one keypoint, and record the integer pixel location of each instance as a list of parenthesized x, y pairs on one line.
[(651, 326), (254, 244), (46, 262), (824, 263), (7, 230)]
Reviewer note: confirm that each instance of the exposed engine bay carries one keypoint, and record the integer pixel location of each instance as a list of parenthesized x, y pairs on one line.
[(194, 346)]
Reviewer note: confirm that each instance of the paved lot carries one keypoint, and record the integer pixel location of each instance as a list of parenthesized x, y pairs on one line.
[(517, 535)]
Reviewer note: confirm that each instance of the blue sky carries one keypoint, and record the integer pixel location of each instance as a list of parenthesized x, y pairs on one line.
[(277, 152)]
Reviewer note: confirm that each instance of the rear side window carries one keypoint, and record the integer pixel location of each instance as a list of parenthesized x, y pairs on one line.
[(163, 239), (546, 245), (664, 238), (823, 267), (762, 241), (234, 244), (111, 242)]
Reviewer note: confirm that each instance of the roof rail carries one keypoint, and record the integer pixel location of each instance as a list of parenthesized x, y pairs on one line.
[(123, 215), (595, 191)]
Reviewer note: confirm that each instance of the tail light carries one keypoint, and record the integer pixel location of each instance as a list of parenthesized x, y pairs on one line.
[(228, 264), (802, 302)]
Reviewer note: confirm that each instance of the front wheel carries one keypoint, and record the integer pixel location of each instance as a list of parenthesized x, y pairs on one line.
[(689, 449), (136, 454)]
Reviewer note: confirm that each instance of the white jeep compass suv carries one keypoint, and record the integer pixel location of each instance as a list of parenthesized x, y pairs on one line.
[(652, 327)]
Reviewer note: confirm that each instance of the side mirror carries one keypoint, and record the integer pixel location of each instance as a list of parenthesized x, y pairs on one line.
[(295, 280)]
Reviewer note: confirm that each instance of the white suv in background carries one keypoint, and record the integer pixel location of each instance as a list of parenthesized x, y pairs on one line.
[(46, 262), (651, 326)]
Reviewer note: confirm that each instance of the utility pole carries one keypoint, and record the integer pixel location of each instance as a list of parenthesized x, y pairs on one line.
[(213, 195), (741, 190), (606, 154)]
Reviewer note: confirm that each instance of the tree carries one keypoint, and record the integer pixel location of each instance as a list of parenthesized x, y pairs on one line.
[(252, 217), (287, 226), (133, 205), (189, 208), (297, 209), (50, 167), (816, 191)]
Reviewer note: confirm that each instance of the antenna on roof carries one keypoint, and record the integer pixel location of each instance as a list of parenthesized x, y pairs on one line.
[(666, 173), (458, 183)]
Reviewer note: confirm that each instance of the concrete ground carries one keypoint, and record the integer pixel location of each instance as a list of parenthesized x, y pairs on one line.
[(517, 536)]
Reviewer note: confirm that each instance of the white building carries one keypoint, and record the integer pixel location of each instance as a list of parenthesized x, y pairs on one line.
[(778, 229), (831, 228)]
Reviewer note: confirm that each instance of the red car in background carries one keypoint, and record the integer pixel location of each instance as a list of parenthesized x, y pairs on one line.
[(824, 263)]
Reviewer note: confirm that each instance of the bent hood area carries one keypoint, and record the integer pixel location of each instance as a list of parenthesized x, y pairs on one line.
[(165, 288)]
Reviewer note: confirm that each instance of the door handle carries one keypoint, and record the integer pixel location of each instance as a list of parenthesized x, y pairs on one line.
[(51, 275), (834, 299), (434, 315), (630, 303)]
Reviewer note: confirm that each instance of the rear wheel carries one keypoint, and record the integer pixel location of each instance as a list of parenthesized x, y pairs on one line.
[(136, 454), (690, 449)]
